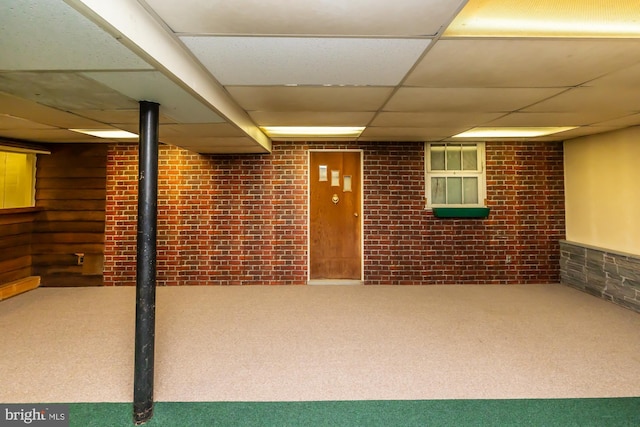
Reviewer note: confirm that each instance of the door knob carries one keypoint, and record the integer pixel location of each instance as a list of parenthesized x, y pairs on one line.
[(355, 214)]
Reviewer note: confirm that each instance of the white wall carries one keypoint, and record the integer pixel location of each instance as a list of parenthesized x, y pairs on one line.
[(602, 190)]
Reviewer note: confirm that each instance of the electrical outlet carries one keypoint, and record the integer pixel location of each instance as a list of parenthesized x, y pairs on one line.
[(508, 259), (80, 258)]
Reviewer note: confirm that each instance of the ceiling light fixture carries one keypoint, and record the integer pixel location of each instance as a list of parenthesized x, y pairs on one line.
[(538, 28), (107, 133), (515, 132), (546, 18), (302, 131)]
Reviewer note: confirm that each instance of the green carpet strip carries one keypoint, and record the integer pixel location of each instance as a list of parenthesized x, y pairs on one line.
[(405, 413)]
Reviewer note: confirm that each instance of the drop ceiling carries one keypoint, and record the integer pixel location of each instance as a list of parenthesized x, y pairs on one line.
[(407, 70)]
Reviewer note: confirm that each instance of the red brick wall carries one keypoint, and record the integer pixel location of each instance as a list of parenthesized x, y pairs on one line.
[(236, 220)]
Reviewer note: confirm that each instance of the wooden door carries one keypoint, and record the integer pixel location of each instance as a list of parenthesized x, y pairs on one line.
[(335, 217)]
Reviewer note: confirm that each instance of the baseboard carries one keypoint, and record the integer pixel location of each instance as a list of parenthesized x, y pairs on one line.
[(19, 286), (347, 282)]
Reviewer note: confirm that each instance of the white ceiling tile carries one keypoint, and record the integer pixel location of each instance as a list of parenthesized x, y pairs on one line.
[(362, 47), (327, 17), (198, 130), (521, 62), (468, 100), (155, 87), (629, 77), (50, 135), (625, 121), (400, 138), (39, 113), (322, 138), (315, 99), (575, 133), (129, 127), (306, 61), (306, 118), (131, 116), (63, 90), (573, 118), (50, 35), (8, 122), (433, 119), (592, 99), (419, 132)]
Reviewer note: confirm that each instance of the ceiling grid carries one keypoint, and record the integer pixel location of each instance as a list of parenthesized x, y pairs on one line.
[(408, 70)]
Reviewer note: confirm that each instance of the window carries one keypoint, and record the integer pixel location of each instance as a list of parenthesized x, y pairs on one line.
[(455, 174), (17, 179)]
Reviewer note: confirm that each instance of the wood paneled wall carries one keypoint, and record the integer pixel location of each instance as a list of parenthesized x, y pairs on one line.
[(71, 191), (16, 226)]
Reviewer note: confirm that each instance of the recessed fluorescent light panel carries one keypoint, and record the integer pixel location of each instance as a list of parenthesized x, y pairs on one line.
[(316, 131), (519, 132), (107, 133), (546, 18)]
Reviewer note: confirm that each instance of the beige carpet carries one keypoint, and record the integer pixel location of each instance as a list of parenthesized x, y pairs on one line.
[(321, 343)]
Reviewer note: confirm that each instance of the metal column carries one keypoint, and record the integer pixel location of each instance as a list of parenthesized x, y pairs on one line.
[(146, 263)]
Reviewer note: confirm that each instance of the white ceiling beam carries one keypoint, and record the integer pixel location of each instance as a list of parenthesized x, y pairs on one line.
[(130, 23)]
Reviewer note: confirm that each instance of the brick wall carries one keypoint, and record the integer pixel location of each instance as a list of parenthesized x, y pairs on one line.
[(235, 220)]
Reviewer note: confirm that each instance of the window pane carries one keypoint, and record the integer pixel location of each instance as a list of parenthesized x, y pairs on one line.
[(437, 157), (438, 190), (470, 191), (16, 179), (469, 158), (454, 191), (453, 159)]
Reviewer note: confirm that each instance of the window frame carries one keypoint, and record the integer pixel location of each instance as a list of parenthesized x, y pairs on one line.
[(29, 178), (479, 173)]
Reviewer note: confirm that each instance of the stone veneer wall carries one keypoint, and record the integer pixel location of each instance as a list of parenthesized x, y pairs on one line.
[(606, 274)]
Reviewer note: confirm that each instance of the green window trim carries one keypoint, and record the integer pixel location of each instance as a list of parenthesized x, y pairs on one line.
[(461, 212)]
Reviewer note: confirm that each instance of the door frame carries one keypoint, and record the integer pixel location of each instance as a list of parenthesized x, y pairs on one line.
[(362, 216)]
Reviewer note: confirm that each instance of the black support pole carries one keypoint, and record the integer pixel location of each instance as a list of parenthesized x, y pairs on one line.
[(146, 263)]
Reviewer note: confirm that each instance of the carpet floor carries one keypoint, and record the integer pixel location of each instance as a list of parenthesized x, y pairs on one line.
[(254, 350), (407, 413)]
